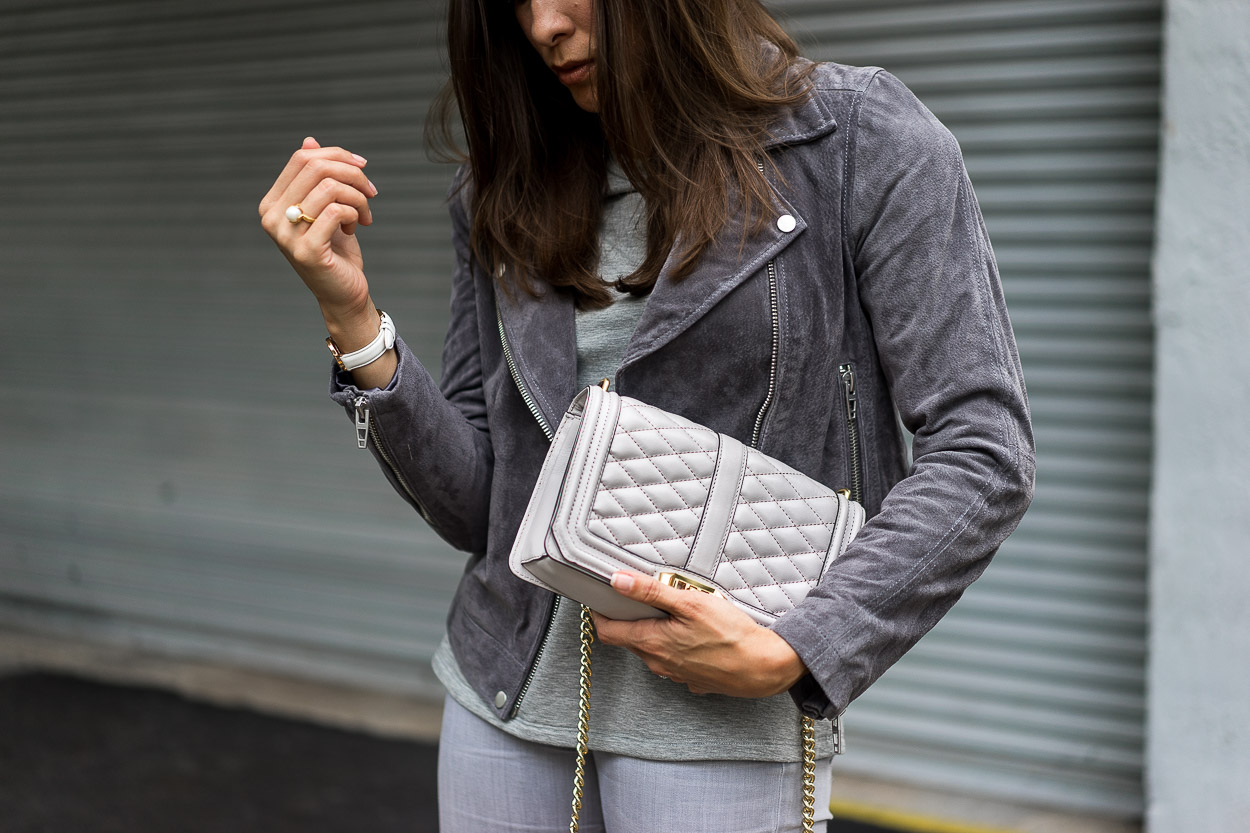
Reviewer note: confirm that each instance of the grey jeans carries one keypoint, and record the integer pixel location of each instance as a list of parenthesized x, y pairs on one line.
[(490, 780)]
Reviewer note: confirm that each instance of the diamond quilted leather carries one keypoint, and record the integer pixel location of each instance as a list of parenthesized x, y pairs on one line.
[(778, 522), (655, 484)]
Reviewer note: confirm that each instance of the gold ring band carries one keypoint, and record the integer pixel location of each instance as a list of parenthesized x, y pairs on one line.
[(294, 213)]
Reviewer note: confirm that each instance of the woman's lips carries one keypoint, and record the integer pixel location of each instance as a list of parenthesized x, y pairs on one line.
[(574, 72)]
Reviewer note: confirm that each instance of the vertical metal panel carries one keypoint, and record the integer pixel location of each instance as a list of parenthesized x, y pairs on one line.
[(173, 473), (1032, 688)]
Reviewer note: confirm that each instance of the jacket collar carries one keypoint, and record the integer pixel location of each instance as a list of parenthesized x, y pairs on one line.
[(810, 119)]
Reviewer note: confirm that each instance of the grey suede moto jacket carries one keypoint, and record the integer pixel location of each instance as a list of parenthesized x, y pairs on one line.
[(872, 298)]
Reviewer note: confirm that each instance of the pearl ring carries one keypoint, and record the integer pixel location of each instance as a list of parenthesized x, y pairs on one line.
[(294, 213)]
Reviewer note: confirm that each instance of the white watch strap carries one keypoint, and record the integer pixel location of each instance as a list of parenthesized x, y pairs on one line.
[(374, 350)]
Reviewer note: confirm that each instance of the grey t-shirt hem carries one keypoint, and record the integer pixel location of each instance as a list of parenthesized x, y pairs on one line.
[(656, 742)]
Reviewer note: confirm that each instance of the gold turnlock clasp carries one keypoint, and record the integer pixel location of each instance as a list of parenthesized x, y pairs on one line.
[(679, 582)]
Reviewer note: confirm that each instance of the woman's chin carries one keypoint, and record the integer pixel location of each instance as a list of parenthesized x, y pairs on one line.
[(584, 96)]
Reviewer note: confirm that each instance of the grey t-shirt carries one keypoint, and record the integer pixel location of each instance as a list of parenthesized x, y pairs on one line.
[(633, 712)]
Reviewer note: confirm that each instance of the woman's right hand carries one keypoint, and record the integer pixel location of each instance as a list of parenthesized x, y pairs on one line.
[(330, 185)]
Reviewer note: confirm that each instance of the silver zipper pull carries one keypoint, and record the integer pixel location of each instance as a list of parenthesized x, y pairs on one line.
[(362, 421), (848, 384), (839, 736)]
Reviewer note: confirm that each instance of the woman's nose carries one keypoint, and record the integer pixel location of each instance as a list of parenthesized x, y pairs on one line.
[(549, 22)]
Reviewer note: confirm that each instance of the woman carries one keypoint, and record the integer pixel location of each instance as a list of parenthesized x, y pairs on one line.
[(662, 192)]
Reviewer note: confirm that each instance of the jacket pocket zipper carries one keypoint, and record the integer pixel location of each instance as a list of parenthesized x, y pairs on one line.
[(366, 429), (851, 397)]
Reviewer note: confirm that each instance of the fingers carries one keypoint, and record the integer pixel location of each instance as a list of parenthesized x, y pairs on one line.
[(313, 178), (647, 590), (314, 242), (300, 159), (632, 635), (323, 181), (330, 191)]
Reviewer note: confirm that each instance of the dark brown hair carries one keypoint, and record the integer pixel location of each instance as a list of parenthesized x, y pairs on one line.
[(686, 90)]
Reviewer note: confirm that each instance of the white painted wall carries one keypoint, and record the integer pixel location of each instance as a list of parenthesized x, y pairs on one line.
[(1198, 778)]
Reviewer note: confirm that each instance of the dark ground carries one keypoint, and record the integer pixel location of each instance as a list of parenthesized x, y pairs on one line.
[(84, 757)]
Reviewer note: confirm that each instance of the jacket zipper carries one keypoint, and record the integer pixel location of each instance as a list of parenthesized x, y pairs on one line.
[(366, 429), (847, 371), (538, 657), (774, 311), (543, 424)]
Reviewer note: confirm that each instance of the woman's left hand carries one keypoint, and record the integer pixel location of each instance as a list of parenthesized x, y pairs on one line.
[(706, 643)]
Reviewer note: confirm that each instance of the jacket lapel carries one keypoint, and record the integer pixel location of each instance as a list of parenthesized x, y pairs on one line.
[(541, 340), (675, 305)]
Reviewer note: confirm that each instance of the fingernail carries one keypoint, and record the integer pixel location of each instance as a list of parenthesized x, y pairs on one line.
[(359, 158), (374, 187), (623, 581)]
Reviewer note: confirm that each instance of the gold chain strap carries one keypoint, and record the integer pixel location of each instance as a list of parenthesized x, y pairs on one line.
[(583, 718), (809, 774), (583, 738)]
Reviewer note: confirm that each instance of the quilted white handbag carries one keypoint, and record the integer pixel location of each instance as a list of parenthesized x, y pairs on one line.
[(627, 485)]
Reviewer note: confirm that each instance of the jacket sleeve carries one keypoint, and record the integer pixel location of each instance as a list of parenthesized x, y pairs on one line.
[(432, 440), (930, 289)]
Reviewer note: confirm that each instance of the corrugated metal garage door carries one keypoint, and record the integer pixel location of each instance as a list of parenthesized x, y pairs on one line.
[(160, 490), (174, 474), (1032, 688)]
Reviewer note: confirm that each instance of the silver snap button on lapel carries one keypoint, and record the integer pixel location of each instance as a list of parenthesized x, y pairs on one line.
[(786, 222), (500, 700)]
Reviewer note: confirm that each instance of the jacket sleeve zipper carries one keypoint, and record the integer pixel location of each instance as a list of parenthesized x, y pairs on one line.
[(366, 429)]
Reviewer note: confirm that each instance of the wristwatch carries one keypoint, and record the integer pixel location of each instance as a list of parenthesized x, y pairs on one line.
[(371, 352)]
